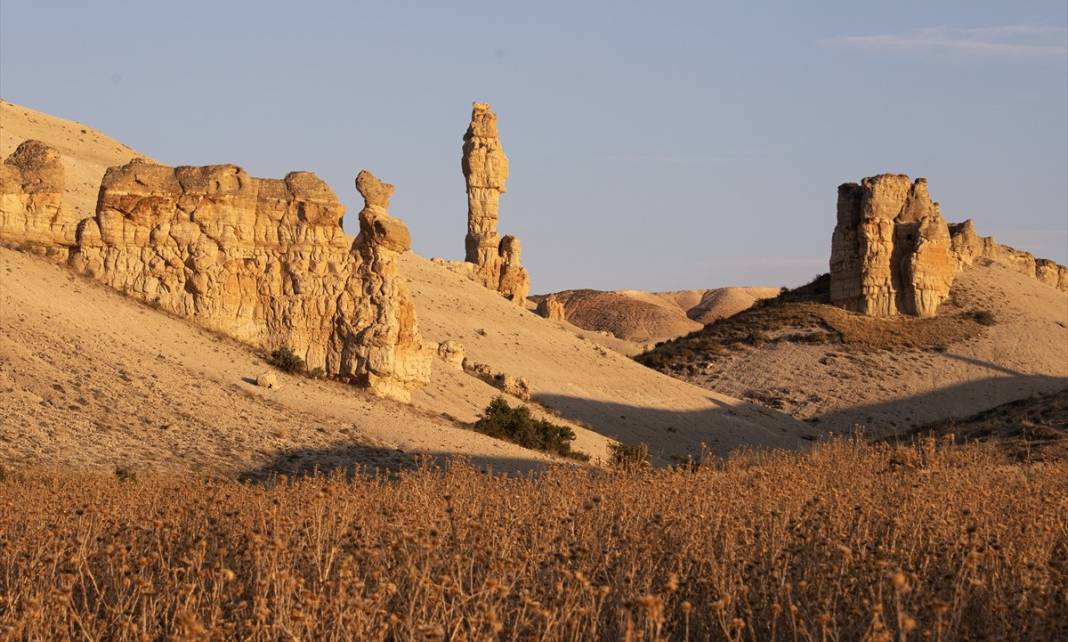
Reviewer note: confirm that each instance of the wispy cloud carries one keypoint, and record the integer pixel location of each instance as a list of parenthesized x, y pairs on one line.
[(1004, 40)]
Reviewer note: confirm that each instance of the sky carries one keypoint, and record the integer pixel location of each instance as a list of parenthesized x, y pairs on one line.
[(653, 145)]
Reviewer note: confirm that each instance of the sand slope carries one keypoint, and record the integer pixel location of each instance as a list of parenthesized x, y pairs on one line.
[(581, 379), (91, 379)]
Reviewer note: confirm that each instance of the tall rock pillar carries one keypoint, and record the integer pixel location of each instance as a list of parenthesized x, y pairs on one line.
[(890, 252), (485, 168)]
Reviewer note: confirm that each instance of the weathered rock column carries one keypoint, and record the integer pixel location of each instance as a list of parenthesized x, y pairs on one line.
[(375, 334), (485, 169), (890, 252)]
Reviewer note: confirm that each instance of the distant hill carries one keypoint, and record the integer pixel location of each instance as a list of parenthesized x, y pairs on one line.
[(644, 317)]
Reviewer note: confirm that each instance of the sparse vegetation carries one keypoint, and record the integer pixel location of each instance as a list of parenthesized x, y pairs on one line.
[(287, 361), (629, 456), (852, 541), (773, 321), (983, 317), (518, 425)]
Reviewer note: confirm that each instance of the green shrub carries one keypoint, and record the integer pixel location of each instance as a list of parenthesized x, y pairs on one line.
[(285, 360), (629, 456), (519, 426)]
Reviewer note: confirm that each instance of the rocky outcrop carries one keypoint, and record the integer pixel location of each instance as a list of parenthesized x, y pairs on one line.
[(550, 307), (452, 353), (968, 246), (496, 260), (509, 384), (264, 261), (890, 252), (32, 209)]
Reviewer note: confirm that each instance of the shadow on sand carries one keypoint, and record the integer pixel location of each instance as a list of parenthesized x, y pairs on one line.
[(952, 402)]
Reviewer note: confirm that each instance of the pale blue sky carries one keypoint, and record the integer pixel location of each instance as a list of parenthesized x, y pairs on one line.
[(653, 145)]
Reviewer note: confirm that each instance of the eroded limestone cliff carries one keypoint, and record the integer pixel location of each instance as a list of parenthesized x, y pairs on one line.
[(262, 260)]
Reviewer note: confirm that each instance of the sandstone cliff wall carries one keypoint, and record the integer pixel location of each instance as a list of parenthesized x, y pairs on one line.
[(32, 209), (484, 164), (262, 260), (893, 253)]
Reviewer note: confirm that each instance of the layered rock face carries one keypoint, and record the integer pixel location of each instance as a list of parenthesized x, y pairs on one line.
[(265, 261), (32, 211), (485, 168), (890, 252)]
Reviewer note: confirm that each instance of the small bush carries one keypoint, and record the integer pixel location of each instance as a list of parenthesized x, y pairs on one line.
[(629, 456), (317, 373), (983, 317), (519, 426), (285, 360), (125, 474)]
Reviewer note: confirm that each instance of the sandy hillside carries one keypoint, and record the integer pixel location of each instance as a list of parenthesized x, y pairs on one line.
[(579, 378), (639, 317), (898, 373), (86, 153), (206, 396), (89, 378)]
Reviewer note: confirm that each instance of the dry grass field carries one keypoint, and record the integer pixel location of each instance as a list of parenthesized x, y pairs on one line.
[(851, 541)]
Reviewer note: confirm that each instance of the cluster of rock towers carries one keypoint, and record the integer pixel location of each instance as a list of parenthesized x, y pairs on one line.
[(893, 253), (265, 261)]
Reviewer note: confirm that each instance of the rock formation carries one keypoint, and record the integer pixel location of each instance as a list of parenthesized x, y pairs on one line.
[(452, 353), (496, 260), (509, 384), (551, 307), (265, 261), (968, 246), (892, 252), (890, 249), (32, 211)]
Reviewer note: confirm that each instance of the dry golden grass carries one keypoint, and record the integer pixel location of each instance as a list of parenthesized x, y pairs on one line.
[(851, 541)]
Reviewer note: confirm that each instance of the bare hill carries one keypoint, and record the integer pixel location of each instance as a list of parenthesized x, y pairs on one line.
[(1001, 336), (92, 379), (643, 317)]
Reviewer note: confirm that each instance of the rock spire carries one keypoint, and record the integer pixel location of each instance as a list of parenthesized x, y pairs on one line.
[(496, 260)]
